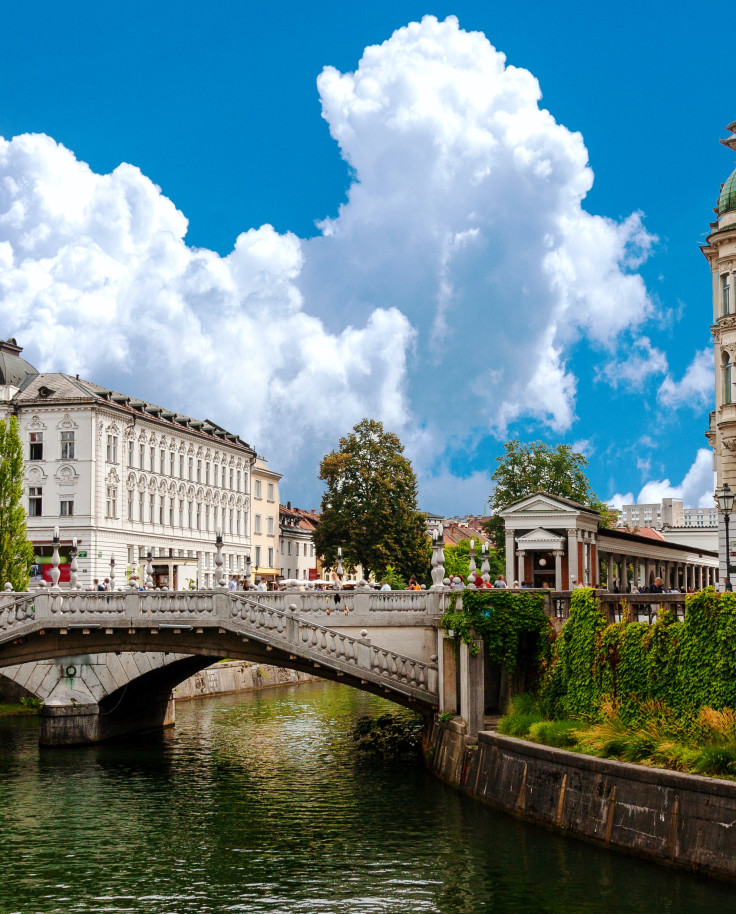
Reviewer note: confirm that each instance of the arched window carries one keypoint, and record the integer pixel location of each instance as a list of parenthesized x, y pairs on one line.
[(727, 379)]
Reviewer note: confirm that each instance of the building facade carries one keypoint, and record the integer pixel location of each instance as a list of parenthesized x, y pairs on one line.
[(720, 252), (123, 477), (265, 534), (298, 554)]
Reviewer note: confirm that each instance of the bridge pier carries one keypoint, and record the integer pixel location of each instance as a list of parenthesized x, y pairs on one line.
[(446, 673), (472, 691), (69, 721)]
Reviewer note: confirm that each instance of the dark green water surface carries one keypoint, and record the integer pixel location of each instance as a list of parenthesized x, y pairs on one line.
[(259, 803)]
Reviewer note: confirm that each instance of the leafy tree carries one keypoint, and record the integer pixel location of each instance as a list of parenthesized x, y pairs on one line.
[(16, 553), (370, 505), (525, 468)]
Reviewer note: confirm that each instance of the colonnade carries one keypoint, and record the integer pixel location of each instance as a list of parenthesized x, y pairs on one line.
[(679, 575)]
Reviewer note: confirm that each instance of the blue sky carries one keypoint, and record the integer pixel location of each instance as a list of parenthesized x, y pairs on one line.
[(423, 301)]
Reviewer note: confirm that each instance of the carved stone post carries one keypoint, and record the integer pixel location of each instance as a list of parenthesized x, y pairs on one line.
[(438, 560), (73, 567), (55, 573), (219, 562), (112, 572), (149, 570), (248, 572), (485, 566), (472, 689)]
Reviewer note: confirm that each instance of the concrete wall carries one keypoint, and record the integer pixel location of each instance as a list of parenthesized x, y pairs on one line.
[(236, 676), (680, 819)]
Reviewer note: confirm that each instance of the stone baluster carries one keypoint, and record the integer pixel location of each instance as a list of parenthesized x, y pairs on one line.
[(471, 556), (149, 570), (438, 560), (339, 568), (219, 562), (73, 567), (485, 565), (248, 572), (55, 573), (112, 572)]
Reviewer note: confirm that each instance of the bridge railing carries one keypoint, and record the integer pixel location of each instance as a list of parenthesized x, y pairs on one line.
[(621, 607)]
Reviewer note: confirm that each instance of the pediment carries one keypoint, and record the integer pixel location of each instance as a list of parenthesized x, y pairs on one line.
[(540, 538)]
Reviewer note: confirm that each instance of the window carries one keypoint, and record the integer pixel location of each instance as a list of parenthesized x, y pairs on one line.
[(36, 452), (238, 480), (181, 466), (270, 556), (141, 455), (130, 506), (199, 516), (258, 489), (257, 523), (162, 460), (207, 473), (131, 451), (141, 507), (152, 458), (269, 526), (67, 445), (725, 294), (171, 511), (152, 508), (190, 514), (35, 501), (288, 547), (305, 549), (270, 491), (112, 501), (181, 512), (258, 556), (232, 512), (172, 463), (207, 517), (191, 468), (66, 507), (215, 515), (161, 510), (112, 448), (727, 379)]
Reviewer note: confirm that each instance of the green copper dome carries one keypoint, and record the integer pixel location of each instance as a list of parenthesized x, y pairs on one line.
[(727, 200)]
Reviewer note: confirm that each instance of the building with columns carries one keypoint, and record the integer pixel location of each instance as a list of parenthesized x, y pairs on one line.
[(554, 542), (124, 477), (720, 252)]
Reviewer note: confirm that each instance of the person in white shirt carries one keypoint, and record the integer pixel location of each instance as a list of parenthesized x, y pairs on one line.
[(500, 582), (233, 584)]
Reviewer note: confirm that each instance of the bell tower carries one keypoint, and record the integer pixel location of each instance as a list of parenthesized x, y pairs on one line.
[(720, 251)]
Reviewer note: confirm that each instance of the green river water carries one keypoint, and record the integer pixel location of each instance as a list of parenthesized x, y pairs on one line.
[(259, 803)]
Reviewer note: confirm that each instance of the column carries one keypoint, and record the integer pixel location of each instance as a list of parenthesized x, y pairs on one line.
[(610, 572), (510, 550), (472, 690), (635, 583), (700, 577), (447, 670), (558, 569), (572, 557), (520, 576)]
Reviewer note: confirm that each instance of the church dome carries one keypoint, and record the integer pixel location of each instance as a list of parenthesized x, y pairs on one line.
[(13, 369), (727, 200)]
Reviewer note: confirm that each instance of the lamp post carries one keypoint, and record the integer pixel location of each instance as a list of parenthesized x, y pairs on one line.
[(724, 497)]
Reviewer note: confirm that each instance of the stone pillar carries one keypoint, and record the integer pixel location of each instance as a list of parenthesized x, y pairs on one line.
[(610, 573), (510, 552), (635, 582), (572, 556), (558, 569), (447, 670), (699, 585), (520, 576), (472, 689), (595, 571)]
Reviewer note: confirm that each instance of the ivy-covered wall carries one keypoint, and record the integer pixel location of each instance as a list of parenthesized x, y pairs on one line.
[(683, 665), (513, 626)]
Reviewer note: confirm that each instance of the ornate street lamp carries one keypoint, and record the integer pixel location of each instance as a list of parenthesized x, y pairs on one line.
[(724, 497)]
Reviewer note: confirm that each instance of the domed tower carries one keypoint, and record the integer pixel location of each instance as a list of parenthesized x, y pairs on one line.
[(720, 250), (13, 370)]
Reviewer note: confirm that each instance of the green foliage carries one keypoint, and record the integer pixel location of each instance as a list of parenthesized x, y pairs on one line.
[(446, 717), (524, 468), (16, 552), (457, 561), (513, 626), (393, 578), (389, 737), (369, 506)]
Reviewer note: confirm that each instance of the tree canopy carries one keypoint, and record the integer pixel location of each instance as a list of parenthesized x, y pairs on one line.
[(16, 553), (526, 467), (369, 506)]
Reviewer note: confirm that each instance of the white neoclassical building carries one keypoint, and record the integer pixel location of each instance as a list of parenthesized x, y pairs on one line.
[(124, 477), (720, 251)]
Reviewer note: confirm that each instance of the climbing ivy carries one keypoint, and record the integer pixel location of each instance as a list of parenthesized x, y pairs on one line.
[(683, 666), (510, 625)]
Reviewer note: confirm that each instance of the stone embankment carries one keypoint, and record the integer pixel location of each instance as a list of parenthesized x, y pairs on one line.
[(236, 676), (679, 819)]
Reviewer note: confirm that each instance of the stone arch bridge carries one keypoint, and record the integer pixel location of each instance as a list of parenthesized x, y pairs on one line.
[(386, 643)]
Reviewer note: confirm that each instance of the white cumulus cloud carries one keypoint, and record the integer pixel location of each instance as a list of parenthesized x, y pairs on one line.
[(696, 489), (696, 387), (463, 262)]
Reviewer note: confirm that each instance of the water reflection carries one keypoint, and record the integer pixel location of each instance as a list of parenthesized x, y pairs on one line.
[(258, 803)]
